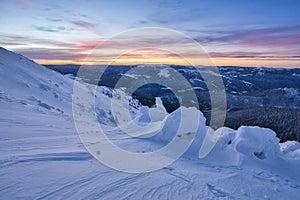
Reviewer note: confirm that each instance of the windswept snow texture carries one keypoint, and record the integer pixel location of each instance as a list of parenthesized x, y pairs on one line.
[(42, 156)]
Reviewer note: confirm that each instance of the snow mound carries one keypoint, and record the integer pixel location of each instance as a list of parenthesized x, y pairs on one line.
[(164, 73), (290, 150), (257, 143), (154, 114), (246, 146)]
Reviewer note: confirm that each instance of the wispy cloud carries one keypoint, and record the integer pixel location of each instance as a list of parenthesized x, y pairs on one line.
[(263, 37), (259, 55), (54, 19), (18, 40), (84, 24), (89, 45), (51, 29), (51, 54)]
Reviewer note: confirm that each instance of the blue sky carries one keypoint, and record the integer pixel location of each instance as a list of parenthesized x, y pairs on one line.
[(247, 33)]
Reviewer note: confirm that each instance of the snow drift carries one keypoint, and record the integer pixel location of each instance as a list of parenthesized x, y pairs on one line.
[(247, 145)]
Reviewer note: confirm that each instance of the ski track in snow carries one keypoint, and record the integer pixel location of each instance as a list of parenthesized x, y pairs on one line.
[(91, 180)]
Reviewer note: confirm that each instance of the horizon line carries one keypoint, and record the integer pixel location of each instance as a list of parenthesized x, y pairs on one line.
[(153, 64)]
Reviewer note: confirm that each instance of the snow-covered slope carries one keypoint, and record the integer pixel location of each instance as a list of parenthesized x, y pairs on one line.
[(41, 156), (29, 93)]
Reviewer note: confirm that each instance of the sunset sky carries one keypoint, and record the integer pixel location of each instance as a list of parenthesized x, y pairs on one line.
[(233, 32)]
